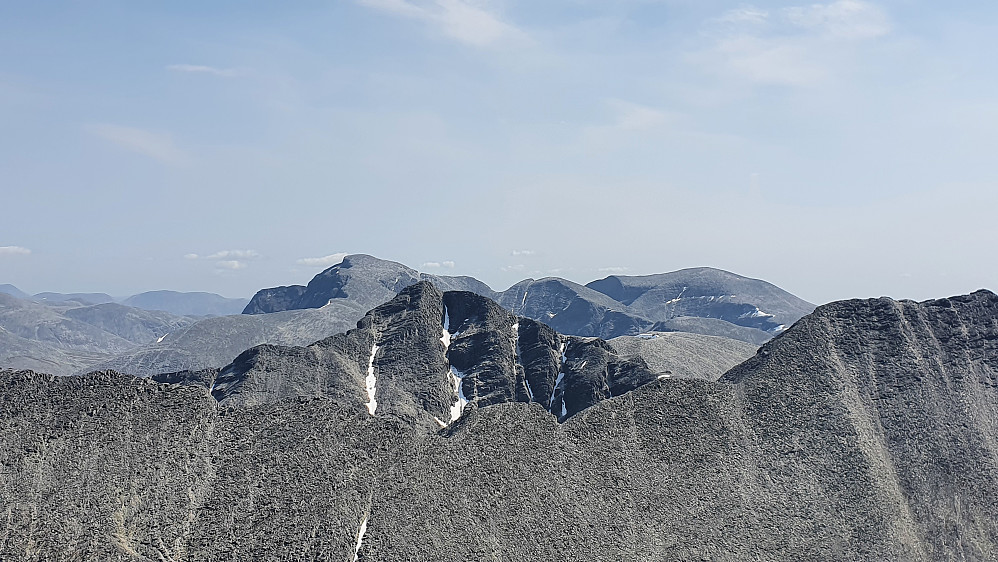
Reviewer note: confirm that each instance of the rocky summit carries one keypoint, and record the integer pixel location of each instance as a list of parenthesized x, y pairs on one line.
[(446, 428)]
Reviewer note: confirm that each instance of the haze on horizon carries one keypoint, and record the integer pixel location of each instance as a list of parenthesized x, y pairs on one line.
[(837, 149)]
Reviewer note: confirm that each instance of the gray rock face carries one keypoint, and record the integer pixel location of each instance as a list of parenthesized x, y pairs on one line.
[(707, 293), (704, 300), (276, 299), (573, 309), (215, 342), (360, 278), (133, 324), (186, 304), (867, 431), (685, 355), (429, 353)]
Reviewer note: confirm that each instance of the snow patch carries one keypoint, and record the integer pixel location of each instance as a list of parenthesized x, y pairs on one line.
[(647, 336), (360, 539), (561, 376), (372, 382), (161, 337), (457, 377), (664, 376), (757, 314), (516, 354), (442, 424)]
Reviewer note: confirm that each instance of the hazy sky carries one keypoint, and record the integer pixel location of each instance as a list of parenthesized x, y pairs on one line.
[(838, 149)]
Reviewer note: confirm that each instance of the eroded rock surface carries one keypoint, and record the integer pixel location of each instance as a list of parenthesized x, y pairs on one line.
[(868, 431)]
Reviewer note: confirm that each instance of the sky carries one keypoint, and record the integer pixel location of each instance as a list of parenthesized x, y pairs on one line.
[(839, 149)]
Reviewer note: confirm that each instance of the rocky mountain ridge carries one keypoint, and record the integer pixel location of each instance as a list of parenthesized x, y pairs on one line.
[(700, 300), (156, 342), (867, 431)]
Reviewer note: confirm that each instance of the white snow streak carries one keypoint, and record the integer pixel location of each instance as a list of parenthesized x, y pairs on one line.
[(664, 376), (442, 424), (457, 408), (516, 353), (372, 382), (561, 375), (457, 377), (360, 539), (161, 338)]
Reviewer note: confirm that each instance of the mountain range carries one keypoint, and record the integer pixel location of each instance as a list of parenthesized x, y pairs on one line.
[(446, 427), (703, 301)]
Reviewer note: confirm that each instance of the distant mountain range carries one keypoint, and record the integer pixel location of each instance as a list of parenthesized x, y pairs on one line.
[(129, 337), (181, 304), (700, 300)]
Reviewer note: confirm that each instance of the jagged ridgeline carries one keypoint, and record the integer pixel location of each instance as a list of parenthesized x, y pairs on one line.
[(446, 428)]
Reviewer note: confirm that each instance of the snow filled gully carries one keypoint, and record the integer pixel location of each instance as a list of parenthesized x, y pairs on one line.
[(456, 377), (372, 382)]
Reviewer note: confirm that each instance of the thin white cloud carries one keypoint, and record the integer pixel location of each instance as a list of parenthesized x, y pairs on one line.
[(324, 261), (800, 46), (469, 22), (448, 264), (743, 15), (154, 145), (14, 251), (201, 69), (844, 19), (522, 253), (231, 264), (190, 256), (613, 269), (233, 254)]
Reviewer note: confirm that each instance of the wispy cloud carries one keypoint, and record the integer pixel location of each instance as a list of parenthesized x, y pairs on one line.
[(437, 264), (744, 14), (613, 269), (14, 251), (324, 261), (231, 264), (233, 254), (469, 22), (227, 259), (796, 46), (201, 69), (522, 253), (154, 145), (845, 19)]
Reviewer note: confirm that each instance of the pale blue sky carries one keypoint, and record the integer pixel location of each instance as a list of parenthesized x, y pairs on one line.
[(838, 149)]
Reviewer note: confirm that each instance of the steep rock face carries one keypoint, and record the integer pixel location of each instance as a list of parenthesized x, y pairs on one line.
[(707, 293), (426, 355), (704, 300), (275, 299), (572, 309), (865, 432), (360, 278)]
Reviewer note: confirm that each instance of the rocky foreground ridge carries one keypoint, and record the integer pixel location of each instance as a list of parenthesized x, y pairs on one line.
[(867, 431)]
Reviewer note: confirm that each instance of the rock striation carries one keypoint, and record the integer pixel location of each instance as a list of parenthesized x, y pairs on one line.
[(867, 431)]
